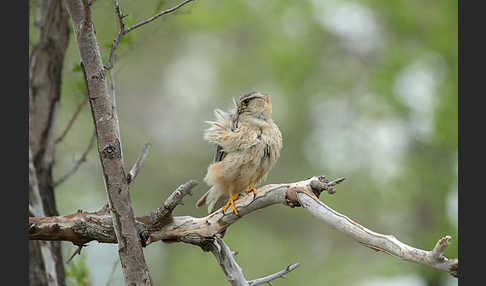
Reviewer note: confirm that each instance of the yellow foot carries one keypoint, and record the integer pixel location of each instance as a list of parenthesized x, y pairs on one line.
[(231, 202), (251, 189)]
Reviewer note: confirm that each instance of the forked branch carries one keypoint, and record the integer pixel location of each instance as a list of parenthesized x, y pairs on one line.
[(123, 30), (231, 269), (84, 227)]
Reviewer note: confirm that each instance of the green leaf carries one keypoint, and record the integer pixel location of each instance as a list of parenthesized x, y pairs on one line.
[(81, 85), (77, 67)]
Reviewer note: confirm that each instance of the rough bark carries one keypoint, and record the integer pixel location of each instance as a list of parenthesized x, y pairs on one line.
[(84, 227), (109, 146), (46, 62)]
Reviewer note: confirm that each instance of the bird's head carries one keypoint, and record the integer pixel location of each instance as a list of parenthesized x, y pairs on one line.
[(255, 104)]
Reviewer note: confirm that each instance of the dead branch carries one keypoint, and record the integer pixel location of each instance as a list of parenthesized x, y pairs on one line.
[(123, 31), (162, 13), (226, 260), (171, 202), (77, 252), (380, 242), (78, 163), (84, 227), (71, 121), (112, 273), (138, 164), (274, 276), (231, 269)]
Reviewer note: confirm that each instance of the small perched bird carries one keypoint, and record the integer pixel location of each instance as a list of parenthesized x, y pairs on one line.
[(248, 145)]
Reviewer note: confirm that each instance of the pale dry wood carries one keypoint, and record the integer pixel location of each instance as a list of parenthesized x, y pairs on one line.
[(138, 164), (231, 269), (172, 202), (201, 231), (280, 274), (380, 242), (227, 262)]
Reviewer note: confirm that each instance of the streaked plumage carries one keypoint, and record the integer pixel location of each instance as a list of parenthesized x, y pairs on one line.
[(248, 145)]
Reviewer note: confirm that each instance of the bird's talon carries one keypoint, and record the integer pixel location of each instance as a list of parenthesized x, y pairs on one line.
[(251, 189), (231, 202)]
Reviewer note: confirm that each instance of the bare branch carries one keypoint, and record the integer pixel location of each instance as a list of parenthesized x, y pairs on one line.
[(172, 201), (70, 123), (112, 273), (379, 242), (119, 36), (438, 252), (201, 231), (162, 13), (274, 276), (228, 264), (123, 31), (78, 251), (138, 164), (231, 269), (78, 163)]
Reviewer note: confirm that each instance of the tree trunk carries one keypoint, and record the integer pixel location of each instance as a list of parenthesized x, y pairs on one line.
[(106, 124), (46, 62)]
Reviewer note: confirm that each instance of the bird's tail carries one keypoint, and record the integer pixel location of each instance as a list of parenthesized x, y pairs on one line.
[(214, 198)]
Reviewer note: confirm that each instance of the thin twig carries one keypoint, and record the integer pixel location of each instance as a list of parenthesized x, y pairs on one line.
[(162, 13), (70, 123), (123, 31), (120, 34), (172, 201), (78, 251), (226, 259), (138, 164), (274, 276), (112, 273), (78, 163)]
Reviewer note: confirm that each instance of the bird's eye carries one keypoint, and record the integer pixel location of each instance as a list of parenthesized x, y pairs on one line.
[(244, 104)]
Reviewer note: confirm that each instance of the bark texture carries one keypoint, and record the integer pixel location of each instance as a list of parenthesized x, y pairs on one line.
[(83, 227), (45, 68), (109, 146)]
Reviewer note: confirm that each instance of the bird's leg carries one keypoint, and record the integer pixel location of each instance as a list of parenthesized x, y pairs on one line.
[(251, 189), (231, 202)]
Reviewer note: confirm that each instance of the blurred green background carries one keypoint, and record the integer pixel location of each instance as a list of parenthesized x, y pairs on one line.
[(365, 89)]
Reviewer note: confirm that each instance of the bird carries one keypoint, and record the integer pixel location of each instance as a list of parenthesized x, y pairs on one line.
[(248, 144)]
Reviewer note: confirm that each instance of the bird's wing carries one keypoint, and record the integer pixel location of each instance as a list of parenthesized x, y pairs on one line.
[(227, 121), (219, 155)]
